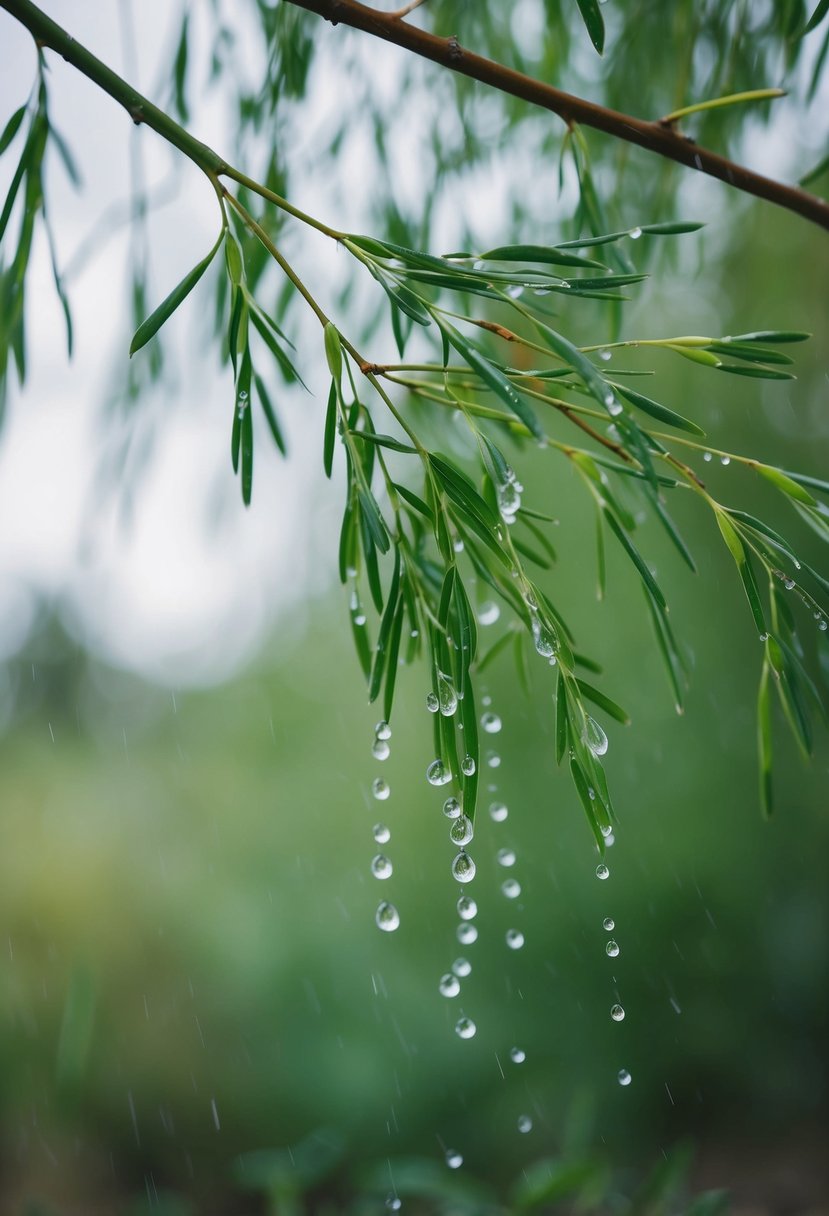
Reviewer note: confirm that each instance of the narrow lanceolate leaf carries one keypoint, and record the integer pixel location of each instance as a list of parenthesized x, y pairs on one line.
[(247, 454), (593, 380), (392, 662), (635, 556), (361, 642), (414, 501), (603, 701), (385, 441), (744, 568), (330, 430), (786, 484), (592, 17), (333, 352), (11, 128), (149, 328), (381, 651), (676, 228), (820, 11), (562, 727), (658, 411), (546, 254), (764, 744), (494, 379)]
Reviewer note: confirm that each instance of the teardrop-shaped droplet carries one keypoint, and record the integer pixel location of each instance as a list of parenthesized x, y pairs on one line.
[(438, 774), (635, 234), (381, 833), (491, 723), (447, 696), (461, 831), (542, 638), (617, 1013), (465, 1028), (466, 933), (380, 749), (387, 917), (380, 789), (608, 924), (463, 867), (602, 871), (624, 1077), (468, 766), (515, 939), (525, 1124), (488, 613), (382, 730), (467, 908), (449, 985), (594, 737), (511, 888), (432, 702), (381, 867), (493, 760), (462, 968), (453, 1159), (505, 857), (612, 949), (498, 812), (517, 1055), (451, 808)]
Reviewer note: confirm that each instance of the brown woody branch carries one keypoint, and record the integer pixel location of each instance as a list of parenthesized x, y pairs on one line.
[(657, 137)]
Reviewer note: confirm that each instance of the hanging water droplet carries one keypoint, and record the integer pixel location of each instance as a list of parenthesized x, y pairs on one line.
[(594, 737), (382, 730), (380, 789), (617, 1013), (725, 460), (381, 867), (613, 404), (463, 867), (461, 831), (488, 613), (505, 857), (360, 618), (491, 723), (498, 812), (449, 985), (387, 917), (635, 233), (466, 933), (515, 939), (707, 457), (457, 545), (468, 766), (605, 355), (465, 1028), (447, 697), (788, 583), (515, 290), (509, 500), (462, 968), (393, 1203), (467, 908), (822, 625), (438, 774), (432, 703), (525, 1124), (451, 808), (493, 760), (612, 949), (517, 1055), (543, 640), (602, 871), (608, 924), (624, 1077), (453, 1159), (511, 888), (380, 749)]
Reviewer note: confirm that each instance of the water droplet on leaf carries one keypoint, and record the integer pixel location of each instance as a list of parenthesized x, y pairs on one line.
[(594, 737), (468, 766), (461, 831), (438, 774), (451, 808)]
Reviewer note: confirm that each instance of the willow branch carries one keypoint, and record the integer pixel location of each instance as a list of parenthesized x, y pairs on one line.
[(658, 137)]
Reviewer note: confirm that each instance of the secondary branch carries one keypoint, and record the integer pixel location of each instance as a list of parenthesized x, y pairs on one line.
[(658, 137)]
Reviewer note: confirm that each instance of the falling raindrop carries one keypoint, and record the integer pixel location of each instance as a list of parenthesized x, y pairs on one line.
[(488, 613), (451, 808), (465, 1028), (617, 1013), (463, 867), (461, 831), (432, 703), (505, 857), (624, 1077), (609, 924), (462, 968), (387, 917), (453, 1160), (381, 867), (511, 888), (602, 871), (380, 749), (493, 759), (525, 1124), (491, 723), (382, 730), (498, 812), (449, 985), (380, 789), (515, 939), (466, 933), (612, 949), (438, 774), (594, 737), (517, 1055), (467, 908), (447, 696), (468, 766)]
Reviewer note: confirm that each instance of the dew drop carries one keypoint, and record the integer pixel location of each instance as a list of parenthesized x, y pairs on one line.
[(461, 831), (509, 500), (462, 968), (788, 583), (505, 857), (594, 737), (515, 939), (380, 789), (707, 457), (451, 808), (432, 703), (381, 833), (453, 1159), (624, 1077), (822, 626), (447, 696), (614, 405), (617, 1013), (488, 613), (466, 933), (438, 774), (387, 917), (511, 888), (525, 1124), (382, 730), (491, 723), (602, 871), (449, 985), (393, 1203), (467, 908), (725, 460), (463, 867), (380, 749), (605, 355), (517, 1055), (457, 545), (542, 638), (612, 949), (608, 924), (498, 812), (515, 290), (468, 766), (381, 867), (465, 1028), (635, 233), (493, 760)]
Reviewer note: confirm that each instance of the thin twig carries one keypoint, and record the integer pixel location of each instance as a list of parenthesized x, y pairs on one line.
[(400, 13)]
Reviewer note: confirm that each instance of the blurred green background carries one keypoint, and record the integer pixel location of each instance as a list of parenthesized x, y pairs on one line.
[(191, 969)]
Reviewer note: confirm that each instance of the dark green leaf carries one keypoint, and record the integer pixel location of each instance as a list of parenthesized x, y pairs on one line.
[(413, 501), (385, 441), (11, 128), (660, 412), (538, 253), (764, 742), (149, 328), (635, 556), (592, 17), (493, 378), (330, 430), (603, 701), (381, 650)]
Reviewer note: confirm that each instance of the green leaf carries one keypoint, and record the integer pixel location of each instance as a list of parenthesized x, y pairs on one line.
[(385, 441), (821, 9), (592, 17), (562, 723), (493, 378), (414, 501), (381, 651), (247, 454), (677, 228), (392, 661), (361, 642), (635, 556), (180, 72), (604, 702), (333, 352), (538, 253), (593, 380), (11, 128), (658, 411), (752, 371), (785, 483), (149, 328), (764, 742), (330, 433)]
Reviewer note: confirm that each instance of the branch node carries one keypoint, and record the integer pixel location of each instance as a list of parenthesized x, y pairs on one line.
[(455, 49)]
